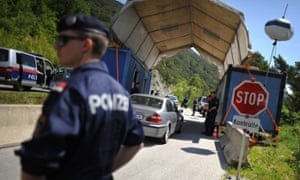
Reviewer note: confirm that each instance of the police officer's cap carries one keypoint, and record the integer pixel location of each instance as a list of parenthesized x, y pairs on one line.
[(83, 23)]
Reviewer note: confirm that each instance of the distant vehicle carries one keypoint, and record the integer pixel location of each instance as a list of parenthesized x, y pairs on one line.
[(158, 116), (173, 98), (61, 75), (203, 106), (24, 70), (178, 111)]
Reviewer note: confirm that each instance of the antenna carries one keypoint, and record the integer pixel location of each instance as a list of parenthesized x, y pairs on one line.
[(285, 10)]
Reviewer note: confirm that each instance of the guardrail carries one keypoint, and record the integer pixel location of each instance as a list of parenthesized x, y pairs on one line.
[(231, 142), (17, 123)]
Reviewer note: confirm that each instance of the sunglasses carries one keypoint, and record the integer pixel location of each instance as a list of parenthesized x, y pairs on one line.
[(62, 40)]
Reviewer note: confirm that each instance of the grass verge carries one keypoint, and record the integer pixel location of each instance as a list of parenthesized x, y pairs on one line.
[(21, 97), (277, 163)]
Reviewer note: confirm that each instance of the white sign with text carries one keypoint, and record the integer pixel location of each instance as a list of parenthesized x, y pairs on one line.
[(242, 122)]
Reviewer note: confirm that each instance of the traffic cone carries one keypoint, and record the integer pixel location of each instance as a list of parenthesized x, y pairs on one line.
[(215, 133)]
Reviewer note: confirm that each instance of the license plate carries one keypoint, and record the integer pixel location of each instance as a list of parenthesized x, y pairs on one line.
[(140, 116)]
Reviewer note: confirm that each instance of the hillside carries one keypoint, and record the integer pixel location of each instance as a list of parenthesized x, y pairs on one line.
[(185, 74), (184, 65)]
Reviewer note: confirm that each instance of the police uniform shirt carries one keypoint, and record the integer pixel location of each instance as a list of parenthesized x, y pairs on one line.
[(83, 123), (213, 103)]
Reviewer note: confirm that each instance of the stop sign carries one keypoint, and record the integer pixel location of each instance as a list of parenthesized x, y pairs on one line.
[(250, 98)]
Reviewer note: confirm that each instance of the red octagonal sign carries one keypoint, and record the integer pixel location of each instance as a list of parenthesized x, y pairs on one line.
[(250, 98)]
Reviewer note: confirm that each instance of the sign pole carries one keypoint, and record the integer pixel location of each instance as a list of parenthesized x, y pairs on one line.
[(241, 157)]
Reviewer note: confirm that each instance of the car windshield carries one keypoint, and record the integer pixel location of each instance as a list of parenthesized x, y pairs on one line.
[(147, 101), (172, 98)]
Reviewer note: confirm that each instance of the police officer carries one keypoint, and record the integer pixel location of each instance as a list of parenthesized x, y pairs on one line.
[(87, 128), (213, 105), (136, 88)]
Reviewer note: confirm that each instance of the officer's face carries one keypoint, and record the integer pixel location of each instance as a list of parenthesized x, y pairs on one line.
[(69, 48), (213, 95)]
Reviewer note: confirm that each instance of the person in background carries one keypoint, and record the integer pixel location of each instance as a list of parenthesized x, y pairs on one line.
[(208, 98), (86, 130), (152, 92), (195, 106), (212, 113), (40, 74), (185, 102), (136, 88)]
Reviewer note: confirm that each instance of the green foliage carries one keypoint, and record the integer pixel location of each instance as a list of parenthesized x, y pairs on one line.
[(30, 25), (260, 62), (289, 117), (108, 8), (290, 137), (17, 97), (188, 75), (281, 65), (293, 78)]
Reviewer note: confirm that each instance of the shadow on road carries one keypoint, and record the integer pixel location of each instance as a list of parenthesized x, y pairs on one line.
[(198, 151), (148, 142), (192, 130)]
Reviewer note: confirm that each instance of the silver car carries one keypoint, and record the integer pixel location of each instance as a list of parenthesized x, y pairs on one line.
[(158, 116)]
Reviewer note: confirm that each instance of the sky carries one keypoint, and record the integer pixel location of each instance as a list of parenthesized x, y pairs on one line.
[(257, 13)]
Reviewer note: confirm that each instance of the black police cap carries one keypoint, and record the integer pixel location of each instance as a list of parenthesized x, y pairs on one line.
[(83, 23)]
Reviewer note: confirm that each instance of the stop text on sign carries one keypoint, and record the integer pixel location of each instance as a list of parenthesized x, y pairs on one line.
[(251, 98)]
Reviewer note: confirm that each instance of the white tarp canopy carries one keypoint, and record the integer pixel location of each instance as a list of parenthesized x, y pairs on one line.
[(154, 29)]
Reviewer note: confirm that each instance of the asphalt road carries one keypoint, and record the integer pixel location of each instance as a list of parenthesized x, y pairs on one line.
[(187, 156)]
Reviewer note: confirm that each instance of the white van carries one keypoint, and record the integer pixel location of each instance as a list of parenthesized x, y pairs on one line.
[(24, 70)]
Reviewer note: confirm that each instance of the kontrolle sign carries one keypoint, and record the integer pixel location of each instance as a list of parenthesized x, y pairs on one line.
[(250, 98), (241, 122)]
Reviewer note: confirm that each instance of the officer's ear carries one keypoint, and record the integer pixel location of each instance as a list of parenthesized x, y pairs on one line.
[(88, 44)]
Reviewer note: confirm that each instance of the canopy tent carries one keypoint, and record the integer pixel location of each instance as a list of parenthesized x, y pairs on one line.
[(154, 29)]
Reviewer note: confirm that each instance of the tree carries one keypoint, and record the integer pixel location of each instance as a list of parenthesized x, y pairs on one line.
[(64, 7), (281, 65), (292, 102), (259, 61)]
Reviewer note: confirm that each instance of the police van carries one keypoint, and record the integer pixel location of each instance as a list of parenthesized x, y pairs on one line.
[(24, 70)]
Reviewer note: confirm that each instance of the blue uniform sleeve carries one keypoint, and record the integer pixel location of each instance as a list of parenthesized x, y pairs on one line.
[(135, 133), (58, 123)]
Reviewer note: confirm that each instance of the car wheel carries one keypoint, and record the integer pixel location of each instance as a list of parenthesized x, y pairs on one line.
[(165, 138), (179, 125)]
